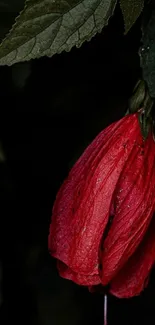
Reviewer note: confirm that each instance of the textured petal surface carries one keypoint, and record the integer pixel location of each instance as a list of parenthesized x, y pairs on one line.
[(83, 203), (81, 279), (134, 206), (133, 278)]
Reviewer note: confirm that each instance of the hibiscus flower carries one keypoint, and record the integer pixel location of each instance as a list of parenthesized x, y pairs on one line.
[(102, 230)]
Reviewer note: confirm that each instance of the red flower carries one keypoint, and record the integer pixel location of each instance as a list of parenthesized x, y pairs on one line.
[(102, 230)]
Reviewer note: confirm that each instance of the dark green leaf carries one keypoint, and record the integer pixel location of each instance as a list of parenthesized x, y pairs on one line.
[(9, 10), (131, 10), (46, 27), (147, 54), (145, 125)]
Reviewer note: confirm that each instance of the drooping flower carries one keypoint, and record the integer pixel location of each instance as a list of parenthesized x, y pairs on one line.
[(102, 229)]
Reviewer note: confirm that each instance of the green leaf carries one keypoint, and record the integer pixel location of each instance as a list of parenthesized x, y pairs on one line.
[(145, 125), (147, 53), (131, 10), (9, 10), (46, 27)]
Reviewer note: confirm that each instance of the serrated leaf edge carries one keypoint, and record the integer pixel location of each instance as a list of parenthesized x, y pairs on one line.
[(69, 49)]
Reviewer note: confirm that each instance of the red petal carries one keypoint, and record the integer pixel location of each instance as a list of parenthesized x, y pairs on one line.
[(81, 210), (133, 278), (134, 207), (81, 279)]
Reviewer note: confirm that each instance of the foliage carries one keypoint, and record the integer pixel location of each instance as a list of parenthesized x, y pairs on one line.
[(47, 27), (147, 53)]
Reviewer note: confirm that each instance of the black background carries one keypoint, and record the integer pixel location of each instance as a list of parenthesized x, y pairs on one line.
[(44, 126)]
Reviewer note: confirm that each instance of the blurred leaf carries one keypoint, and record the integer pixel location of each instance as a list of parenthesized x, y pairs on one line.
[(20, 74), (2, 154), (131, 10), (46, 27), (11, 6), (147, 54), (9, 10)]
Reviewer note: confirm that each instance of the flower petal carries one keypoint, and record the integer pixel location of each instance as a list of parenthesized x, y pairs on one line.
[(81, 279), (134, 207), (82, 206), (133, 278)]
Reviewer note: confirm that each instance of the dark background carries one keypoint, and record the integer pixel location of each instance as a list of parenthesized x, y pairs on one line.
[(50, 109)]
